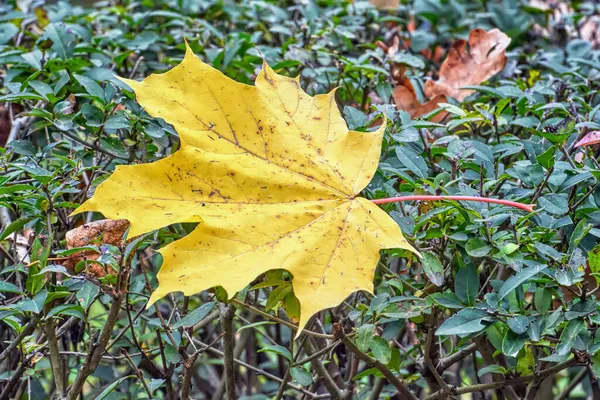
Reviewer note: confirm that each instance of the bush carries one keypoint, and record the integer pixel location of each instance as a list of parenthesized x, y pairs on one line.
[(502, 303)]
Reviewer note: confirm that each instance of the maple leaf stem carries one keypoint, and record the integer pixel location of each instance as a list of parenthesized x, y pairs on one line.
[(526, 207)]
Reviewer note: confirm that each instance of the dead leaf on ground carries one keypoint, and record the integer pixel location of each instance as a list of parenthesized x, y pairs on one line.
[(112, 232), (470, 63)]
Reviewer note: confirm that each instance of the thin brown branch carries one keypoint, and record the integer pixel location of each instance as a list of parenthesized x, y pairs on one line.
[(227, 313), (324, 376), (371, 362)]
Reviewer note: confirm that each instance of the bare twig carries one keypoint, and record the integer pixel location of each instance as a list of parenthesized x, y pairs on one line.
[(264, 373), (322, 372), (25, 332), (371, 362), (227, 313)]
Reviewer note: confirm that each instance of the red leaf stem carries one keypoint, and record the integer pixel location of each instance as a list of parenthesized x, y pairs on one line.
[(526, 207)]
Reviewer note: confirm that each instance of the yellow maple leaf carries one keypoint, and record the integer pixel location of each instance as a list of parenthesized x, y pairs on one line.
[(270, 174)]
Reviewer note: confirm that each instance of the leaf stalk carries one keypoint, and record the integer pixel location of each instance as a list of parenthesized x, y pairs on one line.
[(526, 207)]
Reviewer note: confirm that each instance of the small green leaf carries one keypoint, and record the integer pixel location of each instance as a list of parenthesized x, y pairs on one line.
[(477, 248), (568, 336), (365, 337), (194, 316), (302, 376), (381, 350), (518, 279), (433, 268), (275, 348), (469, 320), (466, 284), (110, 388)]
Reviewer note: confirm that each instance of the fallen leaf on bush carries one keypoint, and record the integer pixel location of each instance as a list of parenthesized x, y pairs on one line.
[(406, 99), (589, 139), (404, 93), (112, 232), (464, 66), (385, 4), (470, 63), (270, 174)]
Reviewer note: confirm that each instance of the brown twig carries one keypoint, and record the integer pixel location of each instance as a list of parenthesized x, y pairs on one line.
[(227, 313), (371, 362)]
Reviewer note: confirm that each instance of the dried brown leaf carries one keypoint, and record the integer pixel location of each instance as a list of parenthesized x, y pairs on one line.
[(406, 99), (385, 4), (470, 63), (112, 232)]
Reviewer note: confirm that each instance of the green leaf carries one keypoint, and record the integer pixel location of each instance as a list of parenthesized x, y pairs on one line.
[(448, 300), (466, 284), (594, 262), (491, 369), (580, 231), (302, 376), (7, 287), (512, 343), (518, 279), (87, 294), (518, 324), (433, 268), (14, 226), (42, 88), (381, 350), (568, 336), (90, 86), (63, 42), (110, 388), (527, 363), (255, 325), (194, 316), (75, 250), (542, 299), (39, 257), (277, 295), (155, 384), (546, 159), (275, 348), (71, 310), (355, 118), (364, 338), (555, 204), (7, 32), (469, 320), (413, 161), (477, 248)]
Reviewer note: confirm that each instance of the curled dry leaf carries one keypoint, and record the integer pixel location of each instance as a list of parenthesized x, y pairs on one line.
[(385, 4), (589, 139), (112, 232), (404, 94), (406, 99), (470, 63), (270, 174), (467, 64)]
